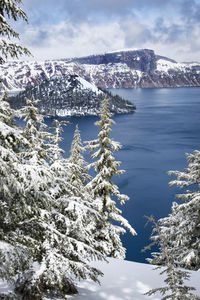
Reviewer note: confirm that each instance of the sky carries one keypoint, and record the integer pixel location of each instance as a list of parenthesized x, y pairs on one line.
[(73, 28)]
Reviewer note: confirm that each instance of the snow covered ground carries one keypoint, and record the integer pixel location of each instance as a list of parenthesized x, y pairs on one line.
[(125, 280)]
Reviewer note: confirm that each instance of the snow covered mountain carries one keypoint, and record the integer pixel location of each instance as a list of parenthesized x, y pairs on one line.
[(120, 69), (68, 95)]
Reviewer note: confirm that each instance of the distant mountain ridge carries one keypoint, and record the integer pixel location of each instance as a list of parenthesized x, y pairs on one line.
[(120, 69)]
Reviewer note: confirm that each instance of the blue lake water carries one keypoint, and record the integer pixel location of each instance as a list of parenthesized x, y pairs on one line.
[(155, 139)]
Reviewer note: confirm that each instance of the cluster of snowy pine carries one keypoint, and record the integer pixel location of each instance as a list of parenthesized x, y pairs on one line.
[(54, 218)]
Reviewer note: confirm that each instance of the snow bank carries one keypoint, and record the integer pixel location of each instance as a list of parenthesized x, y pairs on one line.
[(125, 280)]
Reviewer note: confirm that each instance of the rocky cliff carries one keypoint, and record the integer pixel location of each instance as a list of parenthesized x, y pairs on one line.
[(143, 60)]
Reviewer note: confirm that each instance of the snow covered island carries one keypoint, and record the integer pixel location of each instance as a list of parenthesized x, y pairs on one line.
[(70, 95)]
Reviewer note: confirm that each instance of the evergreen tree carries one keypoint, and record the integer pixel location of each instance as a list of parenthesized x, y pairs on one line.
[(37, 180), (79, 171), (182, 227), (18, 213), (66, 246), (175, 288), (188, 213), (103, 188), (56, 152), (78, 178), (9, 9), (35, 131)]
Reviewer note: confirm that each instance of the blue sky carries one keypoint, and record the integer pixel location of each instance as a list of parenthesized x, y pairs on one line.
[(68, 28)]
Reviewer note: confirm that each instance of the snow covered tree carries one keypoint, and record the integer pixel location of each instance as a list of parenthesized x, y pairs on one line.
[(9, 9), (182, 227), (72, 214), (36, 178), (103, 188), (188, 213), (67, 245), (55, 152), (46, 237), (175, 288), (17, 212), (78, 178), (35, 132), (79, 175)]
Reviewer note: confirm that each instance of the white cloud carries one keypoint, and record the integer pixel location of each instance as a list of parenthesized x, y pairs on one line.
[(65, 40), (168, 37)]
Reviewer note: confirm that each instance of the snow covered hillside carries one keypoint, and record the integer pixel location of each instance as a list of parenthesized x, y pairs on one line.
[(125, 280), (122, 280), (120, 69)]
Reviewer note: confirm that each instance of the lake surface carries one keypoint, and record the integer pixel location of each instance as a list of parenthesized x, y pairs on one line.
[(155, 138)]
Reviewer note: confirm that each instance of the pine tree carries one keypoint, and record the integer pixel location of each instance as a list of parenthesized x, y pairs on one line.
[(175, 288), (188, 213), (72, 214), (182, 226), (103, 188), (10, 140), (18, 234), (35, 132), (78, 178), (56, 152), (79, 175), (9, 9), (37, 181), (67, 245)]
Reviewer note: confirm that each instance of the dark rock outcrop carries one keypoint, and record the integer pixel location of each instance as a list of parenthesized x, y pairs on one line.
[(143, 60)]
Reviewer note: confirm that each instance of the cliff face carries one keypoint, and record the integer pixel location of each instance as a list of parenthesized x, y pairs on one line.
[(120, 69), (70, 95), (137, 68), (142, 60)]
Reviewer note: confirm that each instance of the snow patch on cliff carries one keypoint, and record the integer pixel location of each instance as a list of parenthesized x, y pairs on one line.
[(165, 66), (88, 86)]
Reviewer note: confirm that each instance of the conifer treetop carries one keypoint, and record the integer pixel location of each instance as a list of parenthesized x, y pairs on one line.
[(76, 147), (105, 164), (35, 132), (55, 140), (10, 9)]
